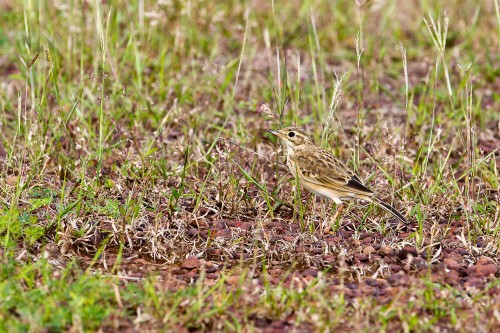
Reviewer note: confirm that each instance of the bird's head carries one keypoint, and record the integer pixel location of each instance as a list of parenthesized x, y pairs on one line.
[(292, 136)]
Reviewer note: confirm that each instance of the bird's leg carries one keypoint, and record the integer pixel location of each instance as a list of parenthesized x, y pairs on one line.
[(338, 211), (340, 208)]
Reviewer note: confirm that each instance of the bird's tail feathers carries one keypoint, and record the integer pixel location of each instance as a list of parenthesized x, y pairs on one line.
[(390, 209)]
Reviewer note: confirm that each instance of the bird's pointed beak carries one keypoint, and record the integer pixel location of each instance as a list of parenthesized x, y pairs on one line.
[(273, 132)]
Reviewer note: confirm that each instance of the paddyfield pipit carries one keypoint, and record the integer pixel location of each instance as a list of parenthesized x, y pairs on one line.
[(323, 174)]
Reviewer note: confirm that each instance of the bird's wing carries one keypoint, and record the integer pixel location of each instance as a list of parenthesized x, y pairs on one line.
[(330, 172)]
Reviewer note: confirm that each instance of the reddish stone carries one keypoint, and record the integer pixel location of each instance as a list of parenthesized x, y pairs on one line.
[(308, 278), (452, 278), (438, 277), (382, 283), (348, 293), (216, 252), (386, 250), (419, 263), (300, 249), (454, 255), (240, 255), (471, 269), (398, 279), (364, 235), (451, 264), (310, 272), (486, 270), (317, 251), (246, 226), (191, 274), (367, 240), (352, 286), (239, 224), (192, 232), (368, 250), (485, 261), (329, 258), (212, 269), (219, 224), (278, 227), (474, 282), (495, 291), (361, 257), (406, 251), (395, 268), (345, 233), (277, 326), (191, 263), (371, 282), (388, 260), (333, 241), (224, 233)]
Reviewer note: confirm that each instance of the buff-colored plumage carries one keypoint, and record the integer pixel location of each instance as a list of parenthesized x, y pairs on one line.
[(322, 173)]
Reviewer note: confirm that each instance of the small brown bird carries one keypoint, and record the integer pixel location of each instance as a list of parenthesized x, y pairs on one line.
[(322, 173)]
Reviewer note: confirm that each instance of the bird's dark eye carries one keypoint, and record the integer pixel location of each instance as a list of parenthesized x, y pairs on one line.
[(291, 134)]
